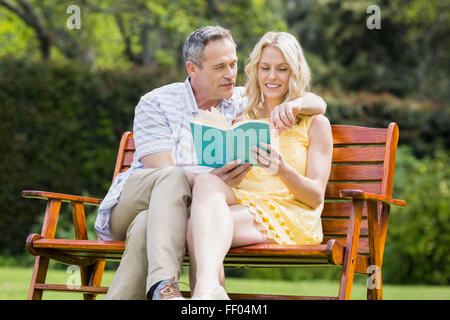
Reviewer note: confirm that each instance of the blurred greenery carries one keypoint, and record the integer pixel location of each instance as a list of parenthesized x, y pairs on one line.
[(67, 95), (419, 236), (408, 56)]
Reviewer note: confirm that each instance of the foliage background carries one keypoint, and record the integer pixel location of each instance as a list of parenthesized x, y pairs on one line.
[(67, 95)]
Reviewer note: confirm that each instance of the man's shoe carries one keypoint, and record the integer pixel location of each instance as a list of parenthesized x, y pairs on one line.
[(167, 290)]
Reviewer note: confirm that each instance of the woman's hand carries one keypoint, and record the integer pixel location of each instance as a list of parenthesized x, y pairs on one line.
[(269, 158), (233, 172)]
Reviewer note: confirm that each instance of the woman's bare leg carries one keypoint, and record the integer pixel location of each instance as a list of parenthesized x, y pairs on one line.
[(211, 230), (216, 224), (193, 265), (245, 231)]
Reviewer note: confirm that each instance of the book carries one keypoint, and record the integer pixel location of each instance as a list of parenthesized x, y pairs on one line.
[(217, 143)]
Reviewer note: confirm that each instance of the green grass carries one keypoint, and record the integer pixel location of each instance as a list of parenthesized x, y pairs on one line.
[(14, 283)]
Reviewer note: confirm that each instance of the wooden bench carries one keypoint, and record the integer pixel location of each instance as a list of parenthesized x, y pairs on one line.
[(354, 219)]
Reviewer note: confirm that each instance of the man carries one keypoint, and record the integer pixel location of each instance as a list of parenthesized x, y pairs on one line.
[(148, 205)]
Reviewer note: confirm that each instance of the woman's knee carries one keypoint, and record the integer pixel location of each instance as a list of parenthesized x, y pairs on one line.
[(208, 185), (205, 181)]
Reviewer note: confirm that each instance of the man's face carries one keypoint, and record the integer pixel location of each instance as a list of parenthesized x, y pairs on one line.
[(217, 76)]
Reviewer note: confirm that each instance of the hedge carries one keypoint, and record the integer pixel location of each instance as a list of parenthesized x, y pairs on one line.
[(60, 127)]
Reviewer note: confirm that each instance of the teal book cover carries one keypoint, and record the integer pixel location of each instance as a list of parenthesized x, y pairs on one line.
[(216, 143)]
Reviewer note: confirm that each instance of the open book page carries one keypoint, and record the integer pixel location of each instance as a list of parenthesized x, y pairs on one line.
[(242, 122), (212, 118)]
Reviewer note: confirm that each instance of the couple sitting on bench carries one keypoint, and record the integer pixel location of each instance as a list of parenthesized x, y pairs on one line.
[(165, 201)]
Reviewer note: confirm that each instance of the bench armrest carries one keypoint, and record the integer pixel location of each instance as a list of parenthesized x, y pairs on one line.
[(60, 196), (359, 194)]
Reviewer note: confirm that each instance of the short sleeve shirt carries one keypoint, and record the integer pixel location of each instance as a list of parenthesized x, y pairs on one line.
[(162, 124)]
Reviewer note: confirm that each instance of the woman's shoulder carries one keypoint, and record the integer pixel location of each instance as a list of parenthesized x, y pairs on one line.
[(320, 120), (320, 127), (316, 119)]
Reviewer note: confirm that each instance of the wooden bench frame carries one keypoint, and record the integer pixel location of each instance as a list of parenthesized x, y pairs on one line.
[(354, 229)]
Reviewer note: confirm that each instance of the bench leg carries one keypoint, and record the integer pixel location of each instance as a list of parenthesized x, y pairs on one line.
[(374, 283), (375, 287), (92, 276), (39, 275), (351, 251)]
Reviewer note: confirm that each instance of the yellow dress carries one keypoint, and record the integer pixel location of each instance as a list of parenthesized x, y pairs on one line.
[(277, 213)]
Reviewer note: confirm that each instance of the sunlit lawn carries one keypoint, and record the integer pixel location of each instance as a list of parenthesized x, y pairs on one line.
[(14, 283)]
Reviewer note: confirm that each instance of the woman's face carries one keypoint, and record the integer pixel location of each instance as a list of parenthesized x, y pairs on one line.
[(273, 76)]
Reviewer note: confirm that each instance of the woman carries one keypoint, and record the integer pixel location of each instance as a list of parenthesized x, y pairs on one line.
[(281, 200)]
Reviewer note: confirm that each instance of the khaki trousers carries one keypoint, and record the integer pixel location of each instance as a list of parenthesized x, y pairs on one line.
[(151, 217)]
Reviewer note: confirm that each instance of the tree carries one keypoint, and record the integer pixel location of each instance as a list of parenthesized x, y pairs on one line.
[(24, 10), (408, 53), (427, 26), (140, 32), (155, 31), (49, 24)]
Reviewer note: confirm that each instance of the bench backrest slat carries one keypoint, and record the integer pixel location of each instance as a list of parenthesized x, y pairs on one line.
[(363, 158), (348, 135)]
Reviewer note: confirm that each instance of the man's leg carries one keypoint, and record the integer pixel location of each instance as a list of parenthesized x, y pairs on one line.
[(141, 193), (130, 285), (167, 225)]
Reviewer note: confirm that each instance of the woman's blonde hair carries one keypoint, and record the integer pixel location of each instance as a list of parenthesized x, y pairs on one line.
[(300, 77)]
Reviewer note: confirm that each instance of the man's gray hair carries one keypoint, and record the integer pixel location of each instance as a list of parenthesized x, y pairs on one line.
[(197, 41)]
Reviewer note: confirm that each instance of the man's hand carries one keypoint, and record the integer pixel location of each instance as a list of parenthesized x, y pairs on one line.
[(233, 172), (283, 116)]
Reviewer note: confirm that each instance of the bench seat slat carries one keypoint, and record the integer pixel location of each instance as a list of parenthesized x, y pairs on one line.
[(76, 245), (119, 246), (255, 254)]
